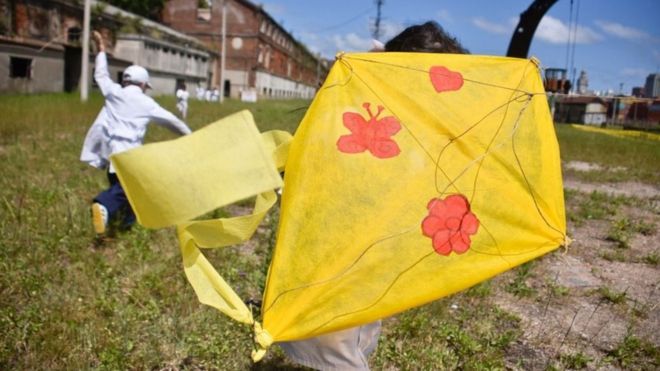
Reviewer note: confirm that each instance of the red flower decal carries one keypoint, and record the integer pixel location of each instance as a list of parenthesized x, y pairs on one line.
[(373, 135), (444, 79), (450, 224)]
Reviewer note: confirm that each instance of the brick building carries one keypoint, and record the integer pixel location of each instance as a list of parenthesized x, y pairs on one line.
[(40, 47), (260, 54)]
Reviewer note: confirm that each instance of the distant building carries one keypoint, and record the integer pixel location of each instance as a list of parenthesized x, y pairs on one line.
[(556, 81), (260, 55), (170, 56), (583, 83), (654, 112), (40, 47), (637, 91), (652, 86), (581, 110)]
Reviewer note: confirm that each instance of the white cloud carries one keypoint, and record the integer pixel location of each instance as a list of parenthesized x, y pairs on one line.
[(619, 30), (491, 27), (554, 31), (351, 42), (354, 41), (634, 72), (389, 30), (311, 41)]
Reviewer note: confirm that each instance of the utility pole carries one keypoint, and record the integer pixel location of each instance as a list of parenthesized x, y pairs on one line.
[(379, 4), (84, 73), (223, 49)]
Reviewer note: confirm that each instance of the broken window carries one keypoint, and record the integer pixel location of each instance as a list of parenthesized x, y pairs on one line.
[(20, 68), (204, 10)]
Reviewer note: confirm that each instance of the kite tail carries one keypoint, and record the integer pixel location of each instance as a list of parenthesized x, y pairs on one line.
[(210, 287)]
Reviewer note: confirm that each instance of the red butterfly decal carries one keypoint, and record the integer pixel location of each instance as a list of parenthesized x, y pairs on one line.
[(373, 135)]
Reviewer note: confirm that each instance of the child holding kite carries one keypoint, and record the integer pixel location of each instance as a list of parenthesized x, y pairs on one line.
[(350, 349), (121, 125)]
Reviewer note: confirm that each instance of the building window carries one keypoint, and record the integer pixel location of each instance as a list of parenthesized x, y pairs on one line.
[(73, 34), (204, 10), (20, 68)]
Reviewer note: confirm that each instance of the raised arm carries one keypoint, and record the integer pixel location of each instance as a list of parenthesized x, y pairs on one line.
[(101, 74)]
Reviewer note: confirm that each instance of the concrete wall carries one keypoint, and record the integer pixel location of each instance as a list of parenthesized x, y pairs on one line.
[(271, 86), (165, 62), (47, 70)]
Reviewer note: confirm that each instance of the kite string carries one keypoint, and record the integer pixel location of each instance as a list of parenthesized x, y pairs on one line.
[(341, 273), (426, 71), (396, 279), (348, 79), (532, 193), (452, 140), (488, 151), (529, 97)]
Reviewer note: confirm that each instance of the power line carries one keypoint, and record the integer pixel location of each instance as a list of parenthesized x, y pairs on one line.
[(344, 23), (577, 16), (568, 39)]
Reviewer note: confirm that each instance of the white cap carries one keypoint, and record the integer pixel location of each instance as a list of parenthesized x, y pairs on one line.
[(136, 74), (377, 46)]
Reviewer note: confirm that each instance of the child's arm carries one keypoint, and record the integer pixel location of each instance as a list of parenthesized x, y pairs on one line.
[(101, 74), (165, 118)]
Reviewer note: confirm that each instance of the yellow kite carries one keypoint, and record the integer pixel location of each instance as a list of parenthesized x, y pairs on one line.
[(411, 177)]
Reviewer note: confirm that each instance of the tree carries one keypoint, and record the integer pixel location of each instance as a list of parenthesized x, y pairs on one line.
[(147, 8)]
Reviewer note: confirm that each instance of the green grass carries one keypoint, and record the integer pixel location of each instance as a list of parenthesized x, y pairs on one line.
[(634, 353), (620, 232), (614, 256), (639, 156), (518, 286), (596, 205), (70, 302), (575, 361), (652, 258), (461, 332), (612, 296)]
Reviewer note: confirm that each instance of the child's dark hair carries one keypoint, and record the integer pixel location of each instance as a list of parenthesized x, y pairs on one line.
[(426, 38)]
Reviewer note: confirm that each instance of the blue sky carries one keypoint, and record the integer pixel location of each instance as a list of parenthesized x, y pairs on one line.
[(616, 41)]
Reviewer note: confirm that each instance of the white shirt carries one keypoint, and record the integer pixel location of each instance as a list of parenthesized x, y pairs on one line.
[(182, 96), (122, 122)]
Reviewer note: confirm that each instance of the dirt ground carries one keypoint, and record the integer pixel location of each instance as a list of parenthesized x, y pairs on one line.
[(592, 296)]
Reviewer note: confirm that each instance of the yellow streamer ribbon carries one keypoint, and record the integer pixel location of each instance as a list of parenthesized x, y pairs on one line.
[(210, 287), (173, 182)]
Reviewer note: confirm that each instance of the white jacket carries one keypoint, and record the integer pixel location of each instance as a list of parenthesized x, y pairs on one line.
[(122, 122)]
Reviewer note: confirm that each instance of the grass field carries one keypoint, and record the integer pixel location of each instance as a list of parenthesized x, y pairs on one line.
[(68, 302)]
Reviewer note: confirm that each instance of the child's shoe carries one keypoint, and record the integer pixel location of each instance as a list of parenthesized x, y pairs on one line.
[(99, 218)]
